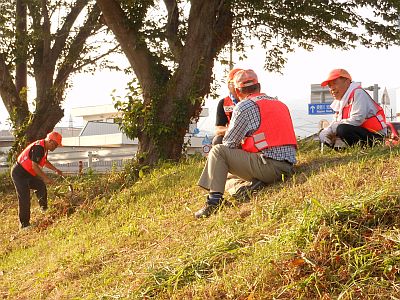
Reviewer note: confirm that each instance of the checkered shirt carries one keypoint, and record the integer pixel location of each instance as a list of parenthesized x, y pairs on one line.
[(245, 121)]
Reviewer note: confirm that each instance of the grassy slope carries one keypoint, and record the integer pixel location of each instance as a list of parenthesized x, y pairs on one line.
[(330, 232)]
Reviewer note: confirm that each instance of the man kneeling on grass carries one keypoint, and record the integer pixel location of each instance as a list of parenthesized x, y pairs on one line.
[(258, 148), (358, 119)]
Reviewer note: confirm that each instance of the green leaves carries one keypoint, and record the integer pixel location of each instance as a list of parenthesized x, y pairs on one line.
[(283, 25), (172, 49), (133, 111)]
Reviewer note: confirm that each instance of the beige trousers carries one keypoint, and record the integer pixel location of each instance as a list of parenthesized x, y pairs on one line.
[(239, 163)]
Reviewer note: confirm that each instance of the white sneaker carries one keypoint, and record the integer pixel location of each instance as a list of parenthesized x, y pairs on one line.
[(25, 228)]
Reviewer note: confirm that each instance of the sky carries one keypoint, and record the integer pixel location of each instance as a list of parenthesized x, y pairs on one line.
[(368, 66)]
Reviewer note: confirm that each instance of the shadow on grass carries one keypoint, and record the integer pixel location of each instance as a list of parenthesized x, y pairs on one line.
[(332, 158)]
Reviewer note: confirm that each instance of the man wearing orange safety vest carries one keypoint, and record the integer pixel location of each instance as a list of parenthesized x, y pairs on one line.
[(27, 174), (358, 120), (225, 109), (259, 147)]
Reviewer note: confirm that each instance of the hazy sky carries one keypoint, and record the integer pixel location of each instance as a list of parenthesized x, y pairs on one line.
[(368, 66)]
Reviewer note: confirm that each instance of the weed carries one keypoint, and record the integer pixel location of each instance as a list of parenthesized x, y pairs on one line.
[(329, 232)]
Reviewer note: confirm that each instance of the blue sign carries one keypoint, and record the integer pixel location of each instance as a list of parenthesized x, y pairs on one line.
[(206, 140), (320, 109)]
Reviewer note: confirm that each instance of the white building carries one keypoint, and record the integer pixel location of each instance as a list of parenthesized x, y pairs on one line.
[(101, 144)]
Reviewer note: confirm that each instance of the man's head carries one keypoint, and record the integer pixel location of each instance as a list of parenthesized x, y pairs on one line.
[(246, 83), (231, 85), (338, 81), (54, 140)]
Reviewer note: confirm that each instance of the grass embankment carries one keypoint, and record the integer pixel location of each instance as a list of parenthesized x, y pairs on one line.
[(330, 232)]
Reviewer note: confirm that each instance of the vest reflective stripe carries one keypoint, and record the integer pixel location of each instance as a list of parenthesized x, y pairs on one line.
[(372, 124), (260, 140), (276, 127), (228, 107), (24, 160)]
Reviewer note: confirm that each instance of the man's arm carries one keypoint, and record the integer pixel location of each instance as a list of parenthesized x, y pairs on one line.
[(51, 167), (39, 172), (245, 120), (221, 120), (36, 155)]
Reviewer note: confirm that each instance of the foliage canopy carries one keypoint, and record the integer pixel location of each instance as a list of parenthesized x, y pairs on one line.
[(48, 41), (172, 47)]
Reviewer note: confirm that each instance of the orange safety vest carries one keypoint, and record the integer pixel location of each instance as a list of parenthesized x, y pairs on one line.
[(276, 127), (26, 162), (228, 107), (372, 124)]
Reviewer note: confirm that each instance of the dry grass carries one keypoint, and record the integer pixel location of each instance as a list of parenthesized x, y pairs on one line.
[(330, 232)]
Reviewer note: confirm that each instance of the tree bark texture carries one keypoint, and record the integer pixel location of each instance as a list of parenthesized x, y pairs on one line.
[(175, 98), (54, 60), (21, 69), (10, 96)]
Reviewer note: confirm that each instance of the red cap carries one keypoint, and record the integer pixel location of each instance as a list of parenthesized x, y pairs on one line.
[(55, 136), (232, 74), (245, 78), (336, 73)]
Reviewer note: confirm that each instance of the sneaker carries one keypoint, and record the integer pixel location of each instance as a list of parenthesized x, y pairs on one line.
[(25, 227), (206, 211), (244, 193)]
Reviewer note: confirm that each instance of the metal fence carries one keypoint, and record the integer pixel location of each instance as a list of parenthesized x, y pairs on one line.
[(97, 166)]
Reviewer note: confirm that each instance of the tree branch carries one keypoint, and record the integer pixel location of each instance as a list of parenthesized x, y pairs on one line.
[(63, 33), (139, 56), (91, 25), (8, 93), (21, 69), (174, 42), (223, 27), (34, 12), (46, 35), (95, 59)]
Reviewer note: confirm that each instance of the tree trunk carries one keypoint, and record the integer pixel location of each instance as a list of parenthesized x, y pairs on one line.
[(16, 107), (48, 111), (207, 34), (173, 100), (43, 123), (21, 69), (55, 57)]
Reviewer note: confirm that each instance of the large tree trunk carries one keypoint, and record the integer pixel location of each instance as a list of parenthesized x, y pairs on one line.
[(16, 107), (176, 99), (16, 93), (21, 69), (209, 29), (55, 57)]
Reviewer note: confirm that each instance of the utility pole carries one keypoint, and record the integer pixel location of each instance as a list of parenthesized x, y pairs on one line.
[(374, 88), (71, 123), (375, 94)]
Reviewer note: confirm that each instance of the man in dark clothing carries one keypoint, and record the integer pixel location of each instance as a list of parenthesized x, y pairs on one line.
[(225, 109), (27, 174)]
